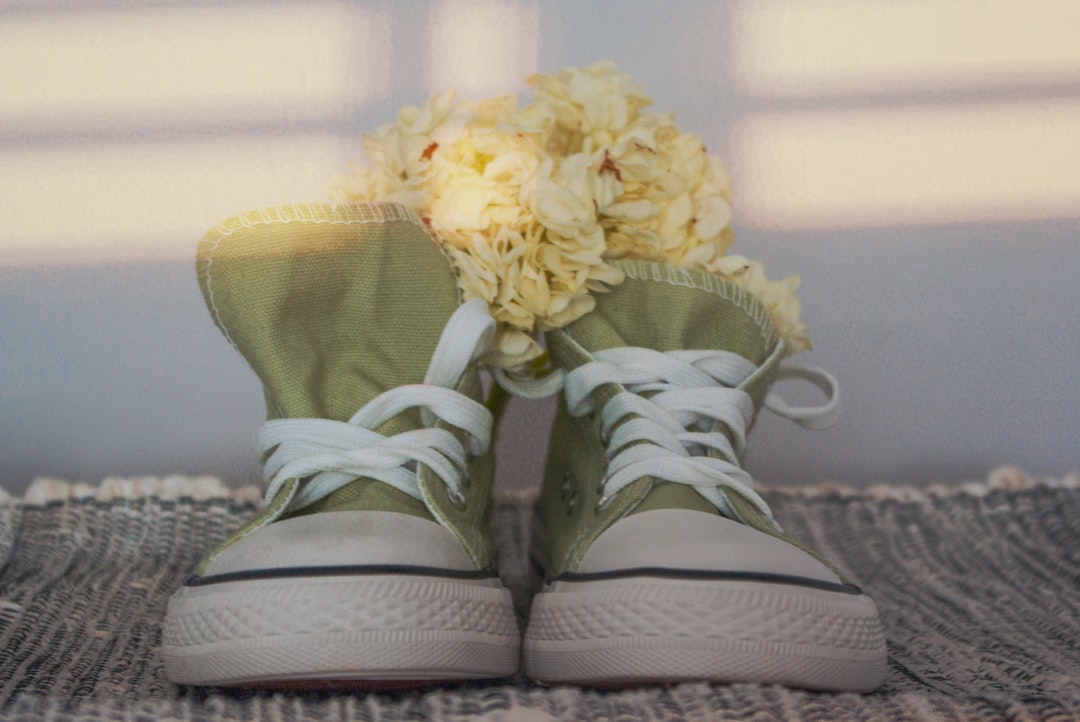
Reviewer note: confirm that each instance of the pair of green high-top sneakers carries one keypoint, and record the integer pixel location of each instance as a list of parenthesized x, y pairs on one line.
[(372, 560)]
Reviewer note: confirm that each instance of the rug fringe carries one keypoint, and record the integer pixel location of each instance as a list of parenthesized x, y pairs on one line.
[(47, 490), (1002, 478)]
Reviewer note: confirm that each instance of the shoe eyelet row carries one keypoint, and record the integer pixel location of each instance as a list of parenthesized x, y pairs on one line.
[(566, 486), (569, 495)]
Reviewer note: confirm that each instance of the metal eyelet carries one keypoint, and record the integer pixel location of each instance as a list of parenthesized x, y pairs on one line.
[(602, 499), (459, 500), (571, 503)]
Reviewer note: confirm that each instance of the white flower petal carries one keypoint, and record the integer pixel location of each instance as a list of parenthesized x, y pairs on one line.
[(530, 201)]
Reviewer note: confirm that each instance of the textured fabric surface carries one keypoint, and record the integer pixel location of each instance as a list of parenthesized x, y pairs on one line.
[(663, 308), (978, 587), (329, 305), (332, 305)]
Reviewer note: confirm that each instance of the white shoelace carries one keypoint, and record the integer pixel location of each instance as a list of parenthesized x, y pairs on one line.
[(669, 434), (330, 454)]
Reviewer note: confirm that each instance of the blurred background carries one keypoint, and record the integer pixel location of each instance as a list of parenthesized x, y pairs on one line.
[(916, 163)]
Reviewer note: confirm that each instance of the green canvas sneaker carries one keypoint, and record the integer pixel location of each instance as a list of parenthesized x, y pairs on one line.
[(664, 564), (371, 562)]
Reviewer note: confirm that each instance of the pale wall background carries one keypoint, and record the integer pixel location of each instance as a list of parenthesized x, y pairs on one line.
[(918, 164)]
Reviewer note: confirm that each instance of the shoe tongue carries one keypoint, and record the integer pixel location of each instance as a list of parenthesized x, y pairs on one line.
[(330, 305), (666, 308)]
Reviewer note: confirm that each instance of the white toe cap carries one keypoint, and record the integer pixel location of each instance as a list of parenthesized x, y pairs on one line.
[(344, 538), (682, 539)]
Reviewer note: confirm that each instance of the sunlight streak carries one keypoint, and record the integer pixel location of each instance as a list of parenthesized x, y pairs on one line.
[(806, 49), (149, 201), (899, 166), (190, 65)]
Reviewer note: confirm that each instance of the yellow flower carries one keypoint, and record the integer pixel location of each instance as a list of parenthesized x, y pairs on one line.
[(532, 202), (778, 297), (519, 224), (658, 194)]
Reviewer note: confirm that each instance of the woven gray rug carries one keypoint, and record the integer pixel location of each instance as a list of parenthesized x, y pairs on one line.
[(978, 587)]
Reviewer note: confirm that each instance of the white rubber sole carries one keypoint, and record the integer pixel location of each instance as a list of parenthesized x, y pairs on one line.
[(346, 629), (639, 630)]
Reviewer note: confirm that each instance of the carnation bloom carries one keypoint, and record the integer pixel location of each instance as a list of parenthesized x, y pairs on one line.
[(531, 202)]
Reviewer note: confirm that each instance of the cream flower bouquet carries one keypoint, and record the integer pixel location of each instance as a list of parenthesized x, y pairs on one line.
[(532, 202)]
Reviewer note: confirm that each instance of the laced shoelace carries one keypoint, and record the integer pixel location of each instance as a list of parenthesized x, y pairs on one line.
[(329, 454), (666, 424)]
